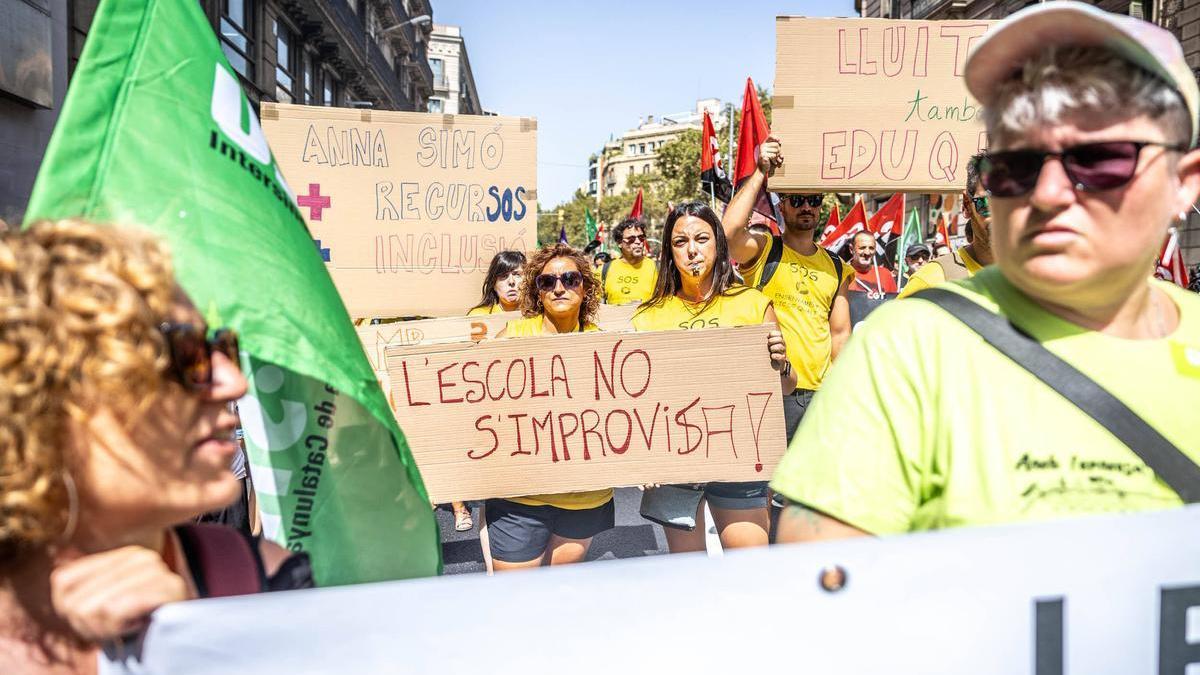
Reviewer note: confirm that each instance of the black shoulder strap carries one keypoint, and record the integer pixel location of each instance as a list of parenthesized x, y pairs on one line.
[(604, 272), (772, 262), (1167, 461), (837, 273)]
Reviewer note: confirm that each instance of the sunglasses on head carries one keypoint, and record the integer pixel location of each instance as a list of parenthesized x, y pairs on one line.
[(982, 207), (1092, 167), (799, 200), (633, 238), (548, 282), (192, 352)]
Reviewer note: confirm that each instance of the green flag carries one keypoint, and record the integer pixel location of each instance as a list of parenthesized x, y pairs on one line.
[(589, 223), (156, 132), (911, 235)]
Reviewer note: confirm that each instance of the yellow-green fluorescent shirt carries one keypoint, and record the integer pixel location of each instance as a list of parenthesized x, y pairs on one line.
[(922, 425)]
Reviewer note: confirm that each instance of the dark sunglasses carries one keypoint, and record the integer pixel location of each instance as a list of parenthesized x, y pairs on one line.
[(982, 207), (192, 352), (800, 200), (632, 238), (1092, 167), (547, 282)]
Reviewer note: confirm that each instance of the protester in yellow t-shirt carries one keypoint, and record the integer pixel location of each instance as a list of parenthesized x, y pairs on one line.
[(806, 283), (630, 278), (559, 294), (502, 285), (1083, 192), (968, 260), (696, 289)]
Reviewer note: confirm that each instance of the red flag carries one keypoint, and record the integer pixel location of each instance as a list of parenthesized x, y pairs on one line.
[(943, 235), (1170, 265), (636, 211), (830, 225), (713, 179), (751, 134), (888, 221), (855, 222)]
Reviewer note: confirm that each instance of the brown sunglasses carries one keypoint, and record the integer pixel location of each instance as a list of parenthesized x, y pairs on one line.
[(192, 352)]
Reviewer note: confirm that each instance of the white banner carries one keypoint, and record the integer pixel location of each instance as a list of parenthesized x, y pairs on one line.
[(1096, 595)]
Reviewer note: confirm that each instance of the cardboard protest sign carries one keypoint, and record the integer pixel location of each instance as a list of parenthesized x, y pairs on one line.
[(408, 209), (562, 413), (874, 104)]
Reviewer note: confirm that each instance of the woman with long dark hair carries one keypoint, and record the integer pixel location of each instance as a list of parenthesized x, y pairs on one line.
[(697, 289), (502, 286)]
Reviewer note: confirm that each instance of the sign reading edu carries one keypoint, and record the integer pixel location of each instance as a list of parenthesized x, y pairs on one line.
[(409, 208), (565, 413), (875, 104)]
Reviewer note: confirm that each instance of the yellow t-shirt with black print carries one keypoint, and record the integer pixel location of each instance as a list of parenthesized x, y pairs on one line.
[(738, 306), (625, 283), (802, 289)]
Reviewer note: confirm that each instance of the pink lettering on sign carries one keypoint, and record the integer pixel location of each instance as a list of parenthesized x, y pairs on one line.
[(314, 201)]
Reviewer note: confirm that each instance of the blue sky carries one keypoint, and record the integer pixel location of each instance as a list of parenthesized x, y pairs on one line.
[(589, 69)]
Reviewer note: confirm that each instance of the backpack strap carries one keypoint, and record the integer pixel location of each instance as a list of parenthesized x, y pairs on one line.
[(223, 561), (772, 262), (837, 273), (1168, 462), (604, 272)]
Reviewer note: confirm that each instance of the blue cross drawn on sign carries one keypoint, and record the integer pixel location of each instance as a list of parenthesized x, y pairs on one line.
[(324, 251)]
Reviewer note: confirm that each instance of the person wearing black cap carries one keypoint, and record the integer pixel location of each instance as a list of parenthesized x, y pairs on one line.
[(916, 257), (1091, 117)]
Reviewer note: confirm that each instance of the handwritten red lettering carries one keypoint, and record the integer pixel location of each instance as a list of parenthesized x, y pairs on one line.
[(443, 386), (608, 434), (495, 438), (408, 388)]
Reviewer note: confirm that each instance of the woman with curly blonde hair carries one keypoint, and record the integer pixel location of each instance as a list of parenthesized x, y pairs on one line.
[(559, 294), (114, 429)]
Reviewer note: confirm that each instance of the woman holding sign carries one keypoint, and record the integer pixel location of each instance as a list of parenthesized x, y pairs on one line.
[(501, 293), (697, 289), (559, 294)]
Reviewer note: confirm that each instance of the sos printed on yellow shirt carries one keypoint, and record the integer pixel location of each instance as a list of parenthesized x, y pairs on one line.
[(625, 283), (529, 327), (935, 445), (802, 289), (738, 306)]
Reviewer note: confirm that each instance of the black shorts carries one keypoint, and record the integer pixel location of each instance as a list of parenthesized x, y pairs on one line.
[(736, 496), (795, 405), (519, 533)]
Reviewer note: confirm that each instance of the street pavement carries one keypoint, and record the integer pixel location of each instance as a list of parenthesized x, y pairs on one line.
[(632, 537)]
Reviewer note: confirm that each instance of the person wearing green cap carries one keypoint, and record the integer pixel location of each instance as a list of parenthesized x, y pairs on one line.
[(1083, 370)]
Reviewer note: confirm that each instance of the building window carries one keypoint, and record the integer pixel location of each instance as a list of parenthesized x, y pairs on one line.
[(438, 67), (642, 149), (285, 69), (329, 90), (435, 105), (237, 27), (310, 79), (631, 171)]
